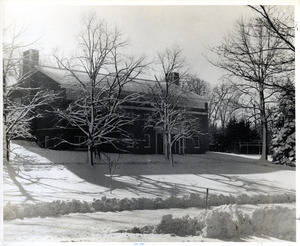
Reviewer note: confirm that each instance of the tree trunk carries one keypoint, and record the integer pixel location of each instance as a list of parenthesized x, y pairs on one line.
[(166, 146), (264, 133), (171, 157), (7, 149), (90, 156), (111, 180), (99, 153), (264, 151), (170, 149)]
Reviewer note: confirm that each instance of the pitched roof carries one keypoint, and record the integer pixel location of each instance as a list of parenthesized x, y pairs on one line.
[(66, 80)]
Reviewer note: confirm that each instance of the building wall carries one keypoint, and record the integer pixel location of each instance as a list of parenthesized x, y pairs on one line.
[(146, 141)]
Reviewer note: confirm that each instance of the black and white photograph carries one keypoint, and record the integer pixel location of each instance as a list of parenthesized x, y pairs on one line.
[(145, 122)]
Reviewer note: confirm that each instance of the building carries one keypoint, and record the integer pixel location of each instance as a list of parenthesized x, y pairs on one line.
[(60, 82)]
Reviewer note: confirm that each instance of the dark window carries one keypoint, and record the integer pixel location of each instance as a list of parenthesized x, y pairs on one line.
[(196, 141), (80, 140), (147, 138), (130, 139)]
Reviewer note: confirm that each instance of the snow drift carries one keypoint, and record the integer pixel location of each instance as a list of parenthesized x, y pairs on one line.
[(58, 207), (227, 221)]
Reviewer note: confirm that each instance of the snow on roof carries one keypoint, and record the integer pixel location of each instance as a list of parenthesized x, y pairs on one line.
[(67, 80)]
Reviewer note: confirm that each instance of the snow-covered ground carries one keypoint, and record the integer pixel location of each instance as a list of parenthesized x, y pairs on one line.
[(34, 183), (253, 156), (105, 227), (35, 175)]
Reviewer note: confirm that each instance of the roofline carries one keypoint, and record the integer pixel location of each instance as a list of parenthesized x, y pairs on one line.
[(135, 79), (81, 71)]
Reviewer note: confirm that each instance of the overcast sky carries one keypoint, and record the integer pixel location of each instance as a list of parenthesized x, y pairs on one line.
[(149, 28)]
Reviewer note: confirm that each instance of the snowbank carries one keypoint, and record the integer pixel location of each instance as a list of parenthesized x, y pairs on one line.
[(275, 221), (58, 207), (227, 221)]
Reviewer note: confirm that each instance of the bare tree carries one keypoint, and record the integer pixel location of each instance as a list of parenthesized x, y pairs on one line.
[(170, 60), (21, 102), (258, 61), (196, 85), (170, 103), (222, 104), (98, 110), (281, 24), (222, 107), (112, 164)]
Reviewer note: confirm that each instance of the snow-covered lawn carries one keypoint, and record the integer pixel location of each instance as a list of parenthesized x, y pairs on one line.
[(35, 176), (252, 156), (40, 175)]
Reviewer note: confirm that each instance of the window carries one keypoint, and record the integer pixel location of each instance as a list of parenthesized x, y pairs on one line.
[(130, 139), (147, 139), (80, 140), (196, 141)]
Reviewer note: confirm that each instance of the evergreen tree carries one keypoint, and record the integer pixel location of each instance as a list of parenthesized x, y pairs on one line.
[(283, 141), (239, 131)]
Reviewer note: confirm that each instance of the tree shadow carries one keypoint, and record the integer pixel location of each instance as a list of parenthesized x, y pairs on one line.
[(156, 164), (13, 175), (246, 185), (136, 179)]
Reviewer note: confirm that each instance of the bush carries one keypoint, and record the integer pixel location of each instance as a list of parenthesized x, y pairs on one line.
[(143, 230), (126, 204), (97, 205), (9, 211), (179, 226)]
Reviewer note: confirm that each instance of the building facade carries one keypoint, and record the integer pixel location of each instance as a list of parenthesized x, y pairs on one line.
[(146, 140)]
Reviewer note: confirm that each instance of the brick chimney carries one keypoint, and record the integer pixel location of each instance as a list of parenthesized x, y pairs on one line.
[(174, 78), (30, 60)]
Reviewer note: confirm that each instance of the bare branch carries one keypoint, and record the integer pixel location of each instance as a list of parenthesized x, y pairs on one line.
[(99, 112)]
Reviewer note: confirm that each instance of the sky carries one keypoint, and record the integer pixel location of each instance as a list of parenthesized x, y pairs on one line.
[(149, 29)]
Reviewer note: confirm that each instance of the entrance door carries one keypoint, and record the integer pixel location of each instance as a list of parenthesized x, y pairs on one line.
[(179, 147)]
